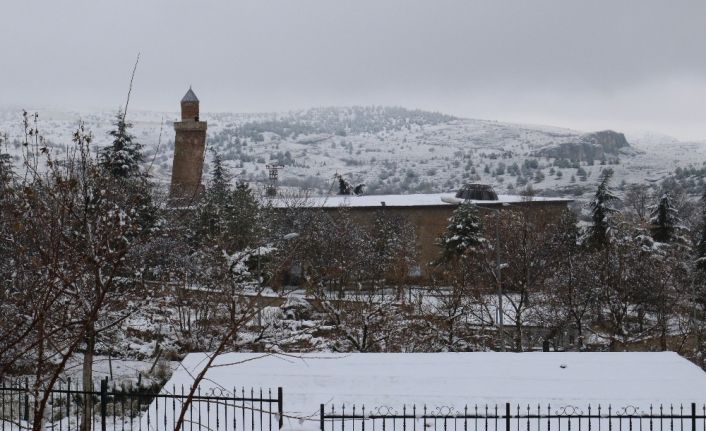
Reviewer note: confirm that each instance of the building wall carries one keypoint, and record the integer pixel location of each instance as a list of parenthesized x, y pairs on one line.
[(430, 222), (187, 167), (190, 111)]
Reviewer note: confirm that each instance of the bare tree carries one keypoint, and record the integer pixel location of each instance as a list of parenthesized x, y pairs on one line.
[(78, 226), (638, 199), (526, 247)]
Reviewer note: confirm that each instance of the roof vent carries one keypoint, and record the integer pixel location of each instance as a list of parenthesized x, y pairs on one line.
[(477, 192)]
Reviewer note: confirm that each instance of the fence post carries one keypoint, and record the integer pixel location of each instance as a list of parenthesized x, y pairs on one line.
[(507, 416), (693, 416), (104, 401), (26, 415), (280, 407), (68, 398), (321, 418)]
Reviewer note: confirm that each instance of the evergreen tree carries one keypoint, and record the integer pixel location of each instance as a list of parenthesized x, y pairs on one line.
[(210, 211), (8, 209), (226, 218), (664, 220), (220, 181), (5, 165), (463, 234), (601, 211), (344, 187), (701, 244), (5, 171), (244, 223), (122, 158)]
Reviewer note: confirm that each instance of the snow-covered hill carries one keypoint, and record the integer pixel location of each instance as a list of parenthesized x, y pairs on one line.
[(392, 150)]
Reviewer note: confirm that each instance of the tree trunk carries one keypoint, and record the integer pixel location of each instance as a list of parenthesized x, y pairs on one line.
[(579, 335), (87, 418), (663, 336), (518, 336), (38, 423)]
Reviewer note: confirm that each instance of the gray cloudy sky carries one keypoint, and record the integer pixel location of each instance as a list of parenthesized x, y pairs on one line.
[(626, 65)]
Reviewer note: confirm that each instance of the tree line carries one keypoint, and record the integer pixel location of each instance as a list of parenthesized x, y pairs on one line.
[(88, 241), (617, 281)]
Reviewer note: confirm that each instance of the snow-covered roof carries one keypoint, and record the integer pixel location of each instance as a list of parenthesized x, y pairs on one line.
[(413, 200), (456, 379)]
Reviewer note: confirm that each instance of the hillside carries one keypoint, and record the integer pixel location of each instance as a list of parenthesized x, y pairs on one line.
[(395, 150)]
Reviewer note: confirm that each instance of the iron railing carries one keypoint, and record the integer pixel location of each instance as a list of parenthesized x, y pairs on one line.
[(514, 418), (123, 409)]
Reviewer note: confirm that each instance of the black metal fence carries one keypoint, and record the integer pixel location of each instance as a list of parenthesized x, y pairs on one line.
[(121, 409), (515, 418)]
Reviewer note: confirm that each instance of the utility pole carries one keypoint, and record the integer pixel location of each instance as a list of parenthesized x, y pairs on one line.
[(271, 189)]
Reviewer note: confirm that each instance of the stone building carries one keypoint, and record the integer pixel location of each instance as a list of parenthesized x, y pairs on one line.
[(189, 148), (429, 213)]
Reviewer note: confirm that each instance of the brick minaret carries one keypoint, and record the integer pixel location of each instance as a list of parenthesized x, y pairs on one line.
[(189, 146)]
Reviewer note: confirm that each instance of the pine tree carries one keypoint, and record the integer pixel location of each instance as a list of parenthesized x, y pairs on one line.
[(219, 186), (227, 217), (211, 209), (463, 234), (601, 211), (664, 220), (701, 245), (344, 187), (122, 158), (5, 170), (244, 223)]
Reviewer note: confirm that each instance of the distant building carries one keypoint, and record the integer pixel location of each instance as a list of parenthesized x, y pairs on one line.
[(430, 213), (189, 147)]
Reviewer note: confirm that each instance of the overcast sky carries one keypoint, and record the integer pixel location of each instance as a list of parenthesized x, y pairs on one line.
[(626, 65)]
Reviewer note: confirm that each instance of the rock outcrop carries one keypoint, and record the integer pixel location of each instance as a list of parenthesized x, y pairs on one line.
[(591, 146)]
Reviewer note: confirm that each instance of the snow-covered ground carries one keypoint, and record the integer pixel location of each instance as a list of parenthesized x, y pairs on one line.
[(423, 158), (120, 372), (421, 199)]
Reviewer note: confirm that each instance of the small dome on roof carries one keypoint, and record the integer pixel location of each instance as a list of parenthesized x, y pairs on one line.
[(477, 192), (190, 96)]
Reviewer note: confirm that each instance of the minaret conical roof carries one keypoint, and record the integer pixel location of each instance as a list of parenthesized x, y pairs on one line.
[(190, 96)]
